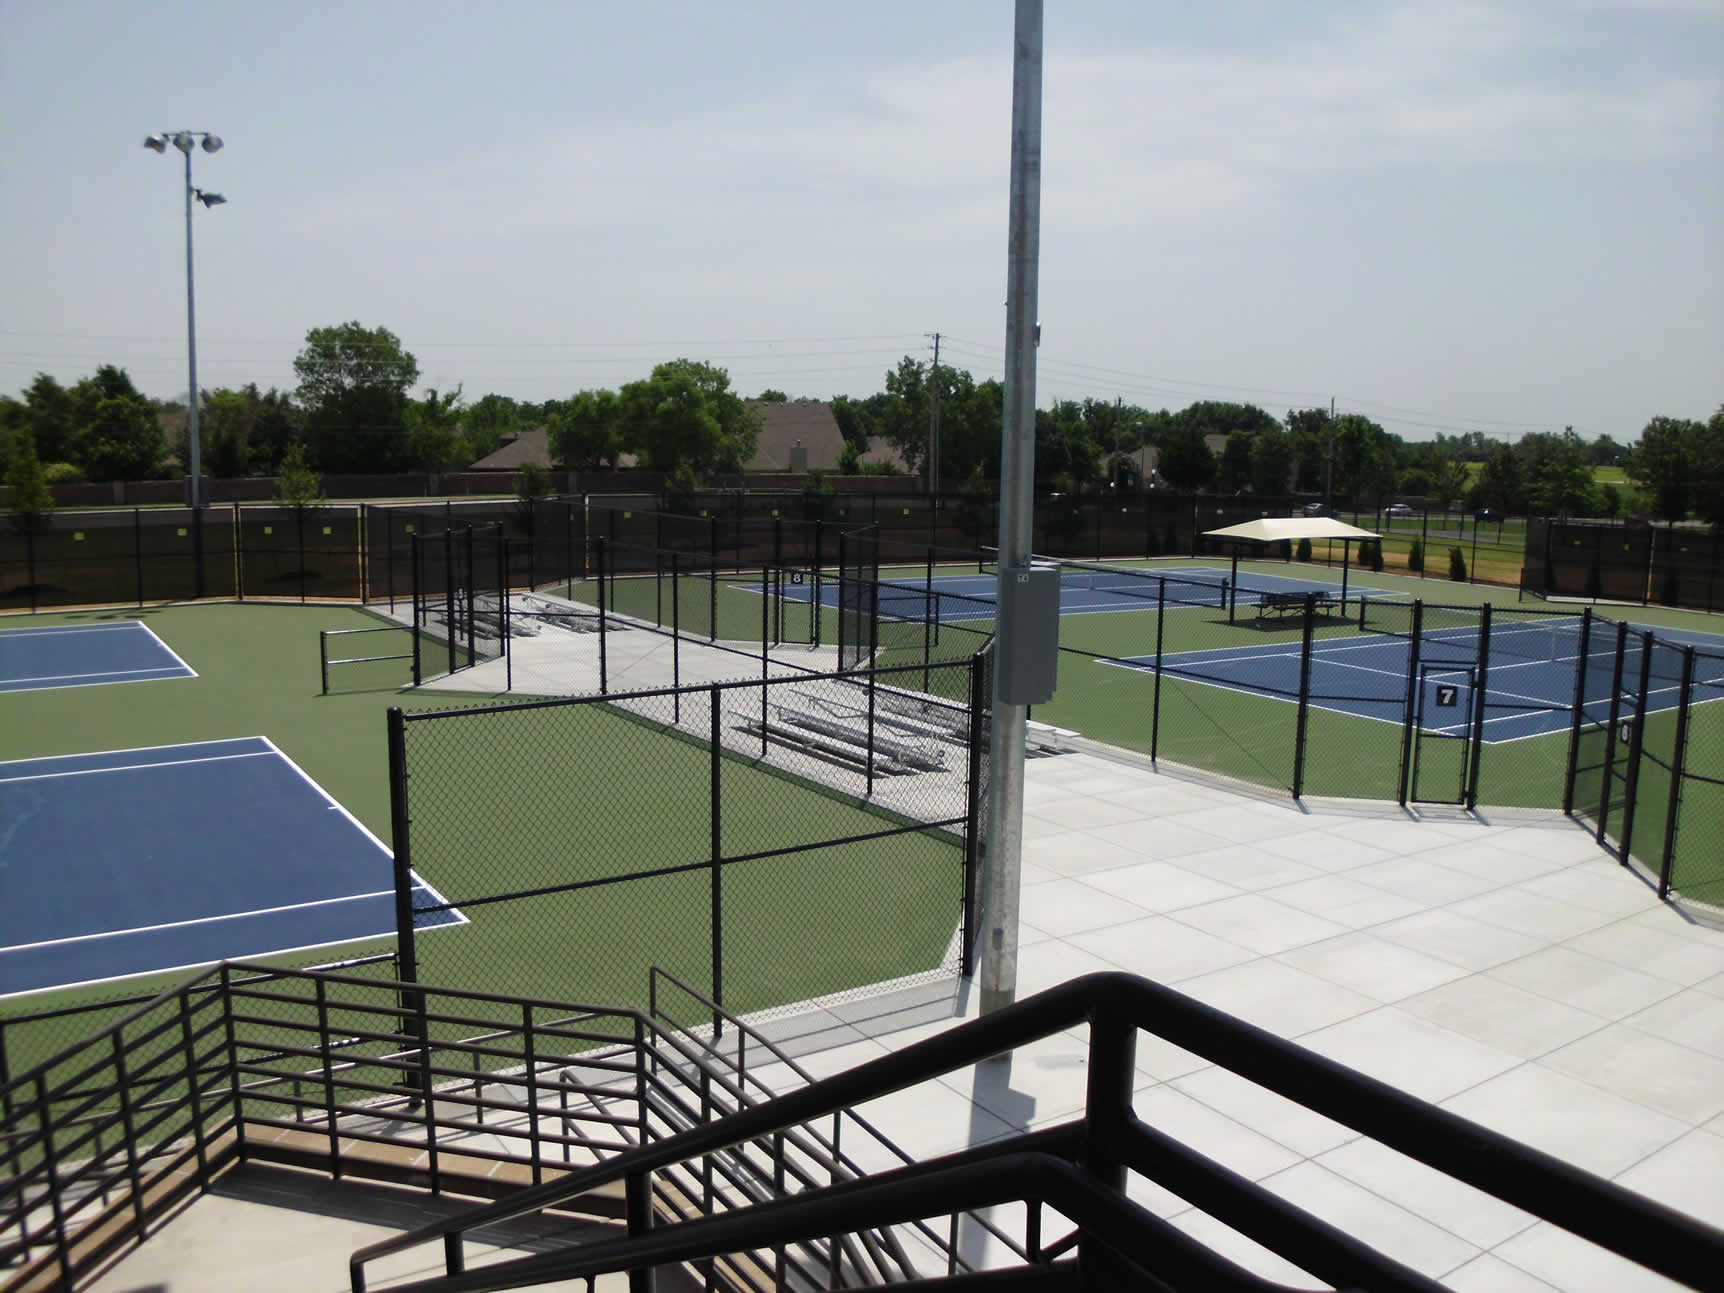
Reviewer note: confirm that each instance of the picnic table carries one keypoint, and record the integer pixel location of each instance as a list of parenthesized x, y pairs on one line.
[(1281, 605)]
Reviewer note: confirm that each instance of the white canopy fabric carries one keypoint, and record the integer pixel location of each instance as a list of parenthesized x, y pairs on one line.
[(1274, 529)]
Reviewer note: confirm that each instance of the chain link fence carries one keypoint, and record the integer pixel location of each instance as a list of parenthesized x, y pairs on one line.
[(769, 840), (1646, 762)]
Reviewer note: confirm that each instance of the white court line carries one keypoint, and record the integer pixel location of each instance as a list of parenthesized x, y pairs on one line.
[(196, 920), (364, 830), (74, 630), (126, 767), (383, 936), (173, 654), (176, 669), (139, 749)]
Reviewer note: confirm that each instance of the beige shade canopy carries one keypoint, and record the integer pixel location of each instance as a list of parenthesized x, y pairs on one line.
[(1276, 529)]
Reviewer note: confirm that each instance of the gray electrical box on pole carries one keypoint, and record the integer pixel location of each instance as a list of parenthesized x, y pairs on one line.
[(1027, 659)]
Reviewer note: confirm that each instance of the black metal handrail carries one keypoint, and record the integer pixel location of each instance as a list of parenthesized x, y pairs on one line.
[(1116, 1006), (825, 1150)]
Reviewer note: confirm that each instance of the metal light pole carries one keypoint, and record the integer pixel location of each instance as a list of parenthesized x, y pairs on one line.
[(183, 140), (1017, 469)]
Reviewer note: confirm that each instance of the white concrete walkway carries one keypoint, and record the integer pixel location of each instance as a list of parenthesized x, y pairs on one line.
[(1505, 968)]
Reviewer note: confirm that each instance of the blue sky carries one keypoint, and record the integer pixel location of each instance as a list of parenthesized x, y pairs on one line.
[(1456, 216)]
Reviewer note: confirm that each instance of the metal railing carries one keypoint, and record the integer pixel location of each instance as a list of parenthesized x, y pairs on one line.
[(1079, 1171)]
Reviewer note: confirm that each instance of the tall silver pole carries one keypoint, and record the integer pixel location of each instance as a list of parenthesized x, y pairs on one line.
[(1017, 500), (192, 353)]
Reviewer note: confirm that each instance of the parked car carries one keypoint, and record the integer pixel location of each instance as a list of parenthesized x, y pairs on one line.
[(1397, 509), (1313, 509)]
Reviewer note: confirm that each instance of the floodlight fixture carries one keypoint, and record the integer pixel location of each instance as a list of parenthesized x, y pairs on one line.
[(184, 140)]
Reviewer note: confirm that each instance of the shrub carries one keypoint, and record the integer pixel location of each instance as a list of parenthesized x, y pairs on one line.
[(1457, 565), (63, 473), (1304, 550), (1416, 556), (1377, 557), (298, 485)]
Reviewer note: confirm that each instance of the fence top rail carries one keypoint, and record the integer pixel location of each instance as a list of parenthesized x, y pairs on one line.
[(852, 677), (218, 978)]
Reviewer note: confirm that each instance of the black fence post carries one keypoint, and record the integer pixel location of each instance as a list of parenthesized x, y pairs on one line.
[(929, 612), (873, 667), (716, 738), (675, 630), (973, 813), (1304, 695), (416, 555), (1155, 701), (400, 830), (1678, 762), (470, 618), (1610, 733), (765, 660), (1635, 745), (197, 544), (598, 546), (299, 548), (1410, 714), (1481, 689), (1579, 715), (447, 540), (137, 548)]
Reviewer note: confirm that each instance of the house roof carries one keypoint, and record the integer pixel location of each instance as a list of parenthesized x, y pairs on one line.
[(529, 446), (782, 426)]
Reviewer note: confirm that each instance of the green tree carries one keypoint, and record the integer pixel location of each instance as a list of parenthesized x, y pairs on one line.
[(855, 423), (1183, 457), (1664, 465), (770, 396), (1065, 445), (122, 440), (298, 485), (849, 461), (1709, 469), (489, 420), (1309, 430), (27, 492), (1364, 457), (1605, 452), (434, 438), (1234, 472), (585, 431), (1457, 566), (685, 412), (53, 419), (1503, 482), (243, 431), (353, 384), (1271, 461), (903, 416), (1559, 478)]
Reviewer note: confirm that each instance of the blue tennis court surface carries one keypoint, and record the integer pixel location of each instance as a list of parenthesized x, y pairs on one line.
[(1082, 592), (85, 655), (198, 853), (1529, 684)]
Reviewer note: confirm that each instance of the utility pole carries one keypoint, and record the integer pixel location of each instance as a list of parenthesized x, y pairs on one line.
[(1329, 462), (934, 422)]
